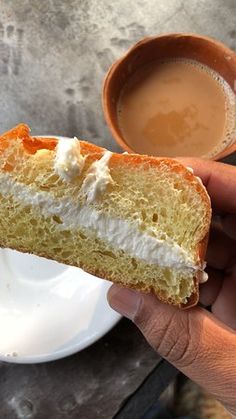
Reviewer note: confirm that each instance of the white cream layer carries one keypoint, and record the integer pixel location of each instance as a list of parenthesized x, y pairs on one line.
[(119, 233)]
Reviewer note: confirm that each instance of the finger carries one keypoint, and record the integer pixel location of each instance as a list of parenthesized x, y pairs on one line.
[(210, 289), (219, 179), (221, 249), (224, 306), (225, 223), (192, 340), (229, 225)]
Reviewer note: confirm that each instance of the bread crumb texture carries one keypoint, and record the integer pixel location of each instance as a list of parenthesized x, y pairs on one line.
[(160, 195)]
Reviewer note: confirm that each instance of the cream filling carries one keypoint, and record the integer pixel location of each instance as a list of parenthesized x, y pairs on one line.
[(119, 233), (69, 162), (97, 178)]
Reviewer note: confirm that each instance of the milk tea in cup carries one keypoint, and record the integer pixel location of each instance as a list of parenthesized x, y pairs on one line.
[(177, 107)]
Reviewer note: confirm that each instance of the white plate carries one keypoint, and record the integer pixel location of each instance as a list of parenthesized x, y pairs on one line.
[(49, 310)]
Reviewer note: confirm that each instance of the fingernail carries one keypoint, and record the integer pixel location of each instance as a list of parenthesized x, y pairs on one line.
[(125, 301)]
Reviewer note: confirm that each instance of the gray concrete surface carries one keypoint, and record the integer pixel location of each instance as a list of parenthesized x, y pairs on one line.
[(53, 58), (89, 385), (54, 54)]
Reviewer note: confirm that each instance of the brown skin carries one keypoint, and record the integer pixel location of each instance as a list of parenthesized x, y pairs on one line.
[(200, 344)]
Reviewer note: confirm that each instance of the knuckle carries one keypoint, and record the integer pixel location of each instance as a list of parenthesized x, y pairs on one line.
[(172, 337), (177, 344), (149, 325)]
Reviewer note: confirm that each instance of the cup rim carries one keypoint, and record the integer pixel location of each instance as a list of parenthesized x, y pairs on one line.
[(118, 137)]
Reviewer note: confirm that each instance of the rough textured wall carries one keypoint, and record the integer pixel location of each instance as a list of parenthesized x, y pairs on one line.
[(54, 54)]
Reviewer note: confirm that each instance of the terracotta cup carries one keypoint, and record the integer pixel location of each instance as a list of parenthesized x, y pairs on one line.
[(174, 45)]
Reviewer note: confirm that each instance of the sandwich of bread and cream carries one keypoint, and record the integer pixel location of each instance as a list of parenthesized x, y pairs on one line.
[(136, 220)]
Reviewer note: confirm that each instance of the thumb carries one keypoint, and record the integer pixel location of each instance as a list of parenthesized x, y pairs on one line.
[(192, 340)]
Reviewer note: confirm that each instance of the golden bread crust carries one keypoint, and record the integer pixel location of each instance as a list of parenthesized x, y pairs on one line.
[(33, 144)]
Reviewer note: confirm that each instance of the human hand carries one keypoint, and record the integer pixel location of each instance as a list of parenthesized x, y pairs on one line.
[(200, 344)]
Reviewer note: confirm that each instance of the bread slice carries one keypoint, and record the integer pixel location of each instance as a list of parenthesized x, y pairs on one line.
[(138, 221)]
